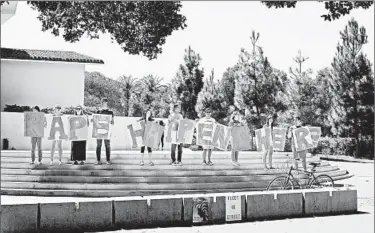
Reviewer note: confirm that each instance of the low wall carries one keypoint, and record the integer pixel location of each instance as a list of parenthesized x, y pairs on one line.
[(142, 212), (12, 128)]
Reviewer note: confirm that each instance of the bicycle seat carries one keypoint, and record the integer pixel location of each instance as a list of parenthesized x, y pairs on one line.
[(315, 164)]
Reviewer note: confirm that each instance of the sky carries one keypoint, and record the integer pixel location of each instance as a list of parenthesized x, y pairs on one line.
[(215, 30)]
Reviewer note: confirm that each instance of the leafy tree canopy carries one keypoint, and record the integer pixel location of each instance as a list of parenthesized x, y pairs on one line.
[(138, 27), (336, 9)]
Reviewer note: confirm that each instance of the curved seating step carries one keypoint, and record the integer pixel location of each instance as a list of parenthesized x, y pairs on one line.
[(151, 173), (122, 193), (113, 179)]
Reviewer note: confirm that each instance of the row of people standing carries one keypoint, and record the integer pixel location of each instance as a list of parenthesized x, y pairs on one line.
[(78, 148)]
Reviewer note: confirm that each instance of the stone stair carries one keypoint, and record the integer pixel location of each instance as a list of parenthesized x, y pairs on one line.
[(125, 177)]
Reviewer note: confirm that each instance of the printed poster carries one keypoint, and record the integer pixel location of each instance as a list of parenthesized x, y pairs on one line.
[(153, 132), (101, 126), (78, 129), (233, 208), (201, 208), (34, 124)]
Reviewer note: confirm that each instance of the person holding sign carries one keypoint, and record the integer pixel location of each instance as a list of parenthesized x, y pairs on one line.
[(37, 141), (57, 113), (173, 120), (78, 151), (270, 122), (105, 110), (297, 154), (236, 120), (147, 117), (207, 149)]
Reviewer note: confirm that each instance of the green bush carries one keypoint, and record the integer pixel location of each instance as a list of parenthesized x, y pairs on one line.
[(16, 108)]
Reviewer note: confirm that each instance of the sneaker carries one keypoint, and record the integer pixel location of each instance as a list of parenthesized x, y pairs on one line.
[(237, 164), (179, 163), (174, 164), (151, 163), (204, 163), (109, 163), (82, 163), (98, 163), (272, 168), (32, 162), (142, 163), (210, 163), (75, 163), (234, 163), (39, 163)]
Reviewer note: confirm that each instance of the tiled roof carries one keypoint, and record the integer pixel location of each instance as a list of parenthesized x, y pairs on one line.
[(47, 55)]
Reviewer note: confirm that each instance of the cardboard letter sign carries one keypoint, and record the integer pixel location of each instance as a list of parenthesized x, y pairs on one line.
[(153, 134), (34, 124), (54, 129), (302, 138), (100, 128), (78, 130), (171, 136), (278, 137), (233, 208), (204, 133), (185, 131), (221, 137), (315, 133), (263, 138), (137, 132), (240, 138)]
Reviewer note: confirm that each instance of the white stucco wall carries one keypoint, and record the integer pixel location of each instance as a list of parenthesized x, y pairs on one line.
[(12, 128), (41, 83)]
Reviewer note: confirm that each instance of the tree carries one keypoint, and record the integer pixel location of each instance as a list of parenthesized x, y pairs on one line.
[(352, 83), (129, 85), (188, 82), (228, 84), (336, 9), (138, 27), (97, 87), (258, 86), (211, 96)]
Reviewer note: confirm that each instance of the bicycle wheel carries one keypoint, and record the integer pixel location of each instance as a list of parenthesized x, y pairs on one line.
[(280, 183), (322, 181)]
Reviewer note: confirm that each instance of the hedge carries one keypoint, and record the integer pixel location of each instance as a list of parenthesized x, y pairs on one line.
[(49, 110)]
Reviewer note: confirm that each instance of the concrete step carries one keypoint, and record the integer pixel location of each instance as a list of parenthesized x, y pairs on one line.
[(158, 166), (123, 193), (162, 155), (186, 161), (112, 179), (136, 188), (152, 173)]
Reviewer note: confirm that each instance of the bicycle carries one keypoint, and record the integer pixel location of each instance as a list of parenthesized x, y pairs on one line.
[(290, 182)]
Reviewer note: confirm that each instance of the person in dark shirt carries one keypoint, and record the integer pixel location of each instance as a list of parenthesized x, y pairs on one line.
[(104, 110), (162, 136)]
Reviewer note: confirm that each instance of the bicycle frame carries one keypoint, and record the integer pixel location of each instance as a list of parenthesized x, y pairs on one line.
[(293, 179)]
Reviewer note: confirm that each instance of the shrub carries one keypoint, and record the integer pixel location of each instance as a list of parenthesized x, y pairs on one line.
[(16, 108)]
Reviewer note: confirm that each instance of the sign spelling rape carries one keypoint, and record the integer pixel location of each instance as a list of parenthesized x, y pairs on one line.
[(57, 127), (78, 128), (101, 126), (34, 124), (152, 135)]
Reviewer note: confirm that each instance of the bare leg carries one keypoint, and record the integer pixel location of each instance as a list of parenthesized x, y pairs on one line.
[(204, 155), (209, 155), (265, 159), (53, 149), (270, 152)]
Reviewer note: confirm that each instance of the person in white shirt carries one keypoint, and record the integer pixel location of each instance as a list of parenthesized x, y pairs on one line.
[(207, 149), (174, 119)]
